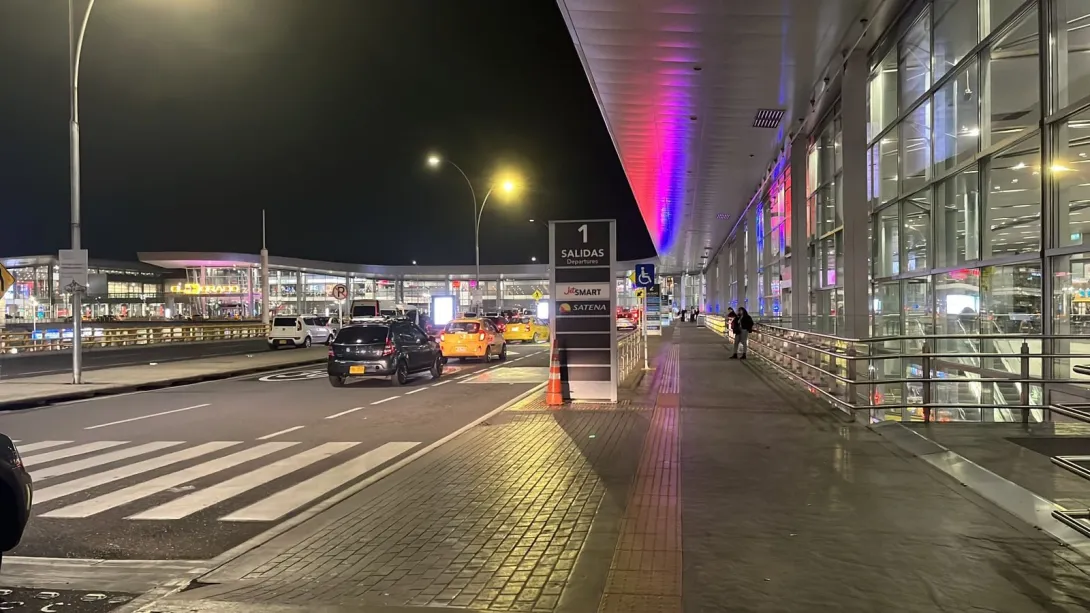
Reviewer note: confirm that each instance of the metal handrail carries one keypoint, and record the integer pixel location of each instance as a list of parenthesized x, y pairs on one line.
[(829, 366), (630, 353), (93, 337)]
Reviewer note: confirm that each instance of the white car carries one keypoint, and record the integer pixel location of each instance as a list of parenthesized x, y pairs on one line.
[(297, 331), (624, 323)]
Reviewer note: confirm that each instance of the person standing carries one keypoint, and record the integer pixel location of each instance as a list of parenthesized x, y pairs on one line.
[(742, 325)]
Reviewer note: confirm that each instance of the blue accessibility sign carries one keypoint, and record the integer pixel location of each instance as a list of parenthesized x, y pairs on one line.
[(645, 275)]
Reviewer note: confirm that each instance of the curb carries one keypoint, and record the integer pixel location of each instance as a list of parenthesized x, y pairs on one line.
[(113, 390)]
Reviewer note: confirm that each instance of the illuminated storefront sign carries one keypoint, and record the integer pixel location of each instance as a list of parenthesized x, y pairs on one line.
[(194, 289)]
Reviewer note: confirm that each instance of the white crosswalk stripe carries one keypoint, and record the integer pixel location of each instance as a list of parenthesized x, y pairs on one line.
[(281, 477), (190, 504), (60, 454)]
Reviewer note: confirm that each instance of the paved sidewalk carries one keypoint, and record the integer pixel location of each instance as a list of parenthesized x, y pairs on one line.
[(29, 391), (713, 486)]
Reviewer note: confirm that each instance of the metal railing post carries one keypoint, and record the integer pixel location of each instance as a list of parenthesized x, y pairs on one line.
[(926, 382), (849, 387), (1023, 397)]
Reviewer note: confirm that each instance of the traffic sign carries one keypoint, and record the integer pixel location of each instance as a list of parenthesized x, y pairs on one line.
[(340, 292), (6, 280), (73, 269), (645, 275), (537, 294), (639, 292)]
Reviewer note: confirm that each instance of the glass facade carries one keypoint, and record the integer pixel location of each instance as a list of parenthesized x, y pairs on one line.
[(116, 290), (974, 146)]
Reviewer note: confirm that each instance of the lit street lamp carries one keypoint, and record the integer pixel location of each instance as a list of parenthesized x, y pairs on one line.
[(506, 185), (533, 258)]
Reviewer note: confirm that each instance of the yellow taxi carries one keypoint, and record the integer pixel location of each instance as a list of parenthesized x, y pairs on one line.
[(472, 338), (526, 330)]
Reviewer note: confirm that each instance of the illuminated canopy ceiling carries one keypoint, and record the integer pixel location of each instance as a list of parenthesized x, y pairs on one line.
[(680, 84)]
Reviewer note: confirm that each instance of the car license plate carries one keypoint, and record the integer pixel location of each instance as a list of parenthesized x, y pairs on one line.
[(283, 342), (460, 349), (357, 370)]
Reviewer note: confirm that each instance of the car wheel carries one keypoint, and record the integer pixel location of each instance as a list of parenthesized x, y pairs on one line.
[(488, 354), (437, 367), (537, 337), (306, 342), (400, 376), (337, 380), (329, 339), (503, 352)]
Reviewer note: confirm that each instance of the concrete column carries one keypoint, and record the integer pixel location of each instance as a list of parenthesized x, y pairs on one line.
[(800, 266), (712, 275), (752, 293), (856, 215)]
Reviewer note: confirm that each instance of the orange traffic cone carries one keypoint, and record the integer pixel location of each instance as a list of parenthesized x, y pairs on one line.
[(554, 393)]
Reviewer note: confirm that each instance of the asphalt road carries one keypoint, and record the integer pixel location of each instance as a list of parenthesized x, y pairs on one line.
[(189, 472), (53, 362)]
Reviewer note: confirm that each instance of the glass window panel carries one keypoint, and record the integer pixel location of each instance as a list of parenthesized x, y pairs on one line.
[(1013, 201), (1012, 82), (919, 318), (914, 65), (917, 230), (887, 246), (955, 33), (916, 140), (828, 255), (1075, 85), (1071, 174), (886, 309), (827, 209), (873, 177), (1011, 300), (998, 12), (957, 221), (882, 95), (838, 146), (889, 166), (827, 162), (956, 131), (812, 170), (957, 306)]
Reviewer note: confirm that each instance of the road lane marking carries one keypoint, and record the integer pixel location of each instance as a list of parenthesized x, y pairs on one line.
[(68, 452), (385, 400), (99, 460), (465, 375), (345, 412), (198, 501), (285, 501), (284, 431), (112, 500), (125, 421), (441, 383), (422, 389), (41, 445), (78, 485)]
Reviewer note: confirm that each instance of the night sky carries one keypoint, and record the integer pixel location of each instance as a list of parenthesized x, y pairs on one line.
[(197, 114)]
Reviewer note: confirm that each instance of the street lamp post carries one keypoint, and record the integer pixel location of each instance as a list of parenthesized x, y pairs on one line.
[(76, 31), (434, 161)]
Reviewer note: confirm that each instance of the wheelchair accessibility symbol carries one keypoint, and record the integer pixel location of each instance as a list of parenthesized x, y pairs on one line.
[(645, 275)]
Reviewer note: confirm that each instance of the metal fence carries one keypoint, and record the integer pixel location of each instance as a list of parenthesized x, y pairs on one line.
[(630, 352), (100, 337), (942, 378)]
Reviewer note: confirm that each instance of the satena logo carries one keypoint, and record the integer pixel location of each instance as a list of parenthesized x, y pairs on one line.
[(586, 308), (582, 253), (585, 292)]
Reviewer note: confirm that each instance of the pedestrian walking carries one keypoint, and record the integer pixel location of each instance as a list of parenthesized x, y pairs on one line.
[(741, 325)]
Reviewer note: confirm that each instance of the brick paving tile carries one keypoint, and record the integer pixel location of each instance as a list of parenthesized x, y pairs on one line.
[(494, 520)]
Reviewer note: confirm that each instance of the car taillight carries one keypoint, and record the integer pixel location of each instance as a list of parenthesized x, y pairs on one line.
[(482, 336), (330, 353), (389, 350)]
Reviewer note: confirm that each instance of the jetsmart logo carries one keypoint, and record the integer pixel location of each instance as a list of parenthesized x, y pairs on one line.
[(583, 291)]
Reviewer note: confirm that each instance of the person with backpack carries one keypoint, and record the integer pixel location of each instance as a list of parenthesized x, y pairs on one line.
[(741, 326)]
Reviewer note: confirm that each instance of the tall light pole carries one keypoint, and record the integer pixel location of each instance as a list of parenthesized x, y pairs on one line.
[(508, 186), (76, 32)]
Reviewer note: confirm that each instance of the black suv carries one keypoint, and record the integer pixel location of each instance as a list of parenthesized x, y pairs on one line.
[(15, 495), (394, 349)]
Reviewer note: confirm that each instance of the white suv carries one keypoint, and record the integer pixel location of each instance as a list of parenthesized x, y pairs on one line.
[(297, 331)]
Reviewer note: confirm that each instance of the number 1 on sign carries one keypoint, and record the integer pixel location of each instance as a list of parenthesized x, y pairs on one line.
[(583, 229)]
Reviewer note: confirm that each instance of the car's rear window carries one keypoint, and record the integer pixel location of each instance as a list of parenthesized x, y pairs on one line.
[(364, 310), (363, 335), (526, 320), (464, 326), (284, 321)]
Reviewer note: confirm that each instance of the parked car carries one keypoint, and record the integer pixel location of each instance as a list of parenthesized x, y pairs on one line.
[(395, 349), (297, 331), (16, 495), (473, 338)]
